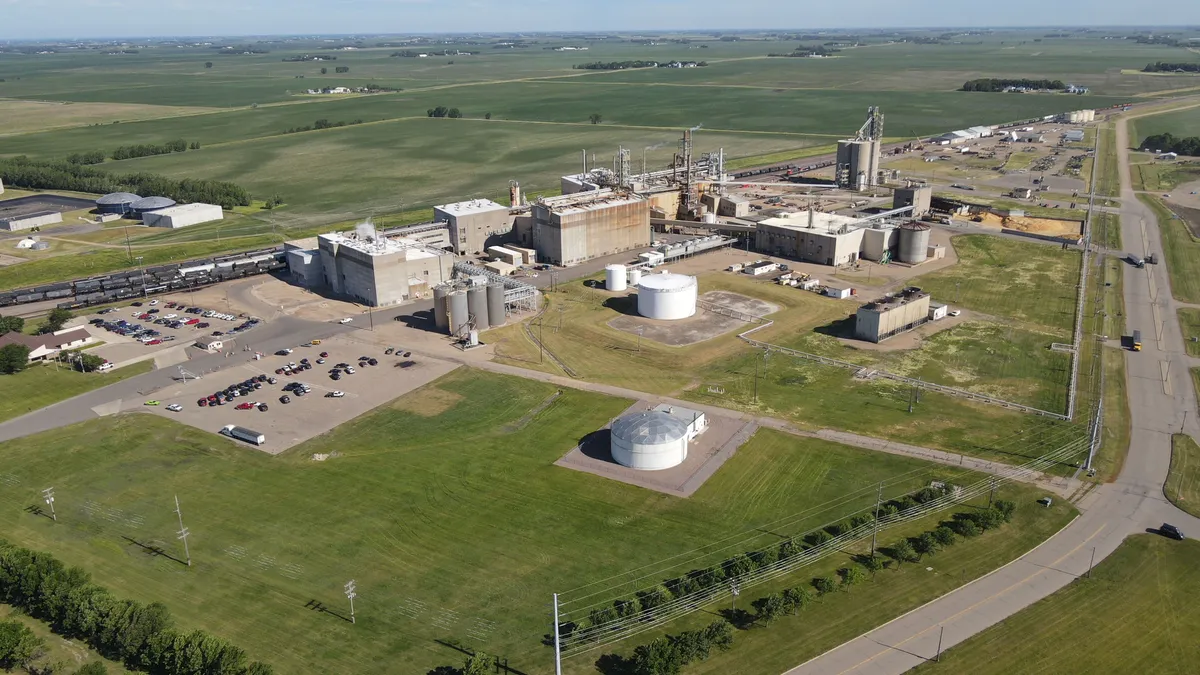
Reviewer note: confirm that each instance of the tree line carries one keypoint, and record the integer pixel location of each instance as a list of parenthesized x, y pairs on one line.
[(715, 578), (1164, 67), (150, 149), (1000, 84), (322, 124), (615, 65), (667, 656), (443, 111), (1168, 142), (143, 637), (32, 174), (803, 51)]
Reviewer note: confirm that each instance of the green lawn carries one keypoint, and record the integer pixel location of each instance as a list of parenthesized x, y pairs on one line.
[(1136, 610), (1183, 483), (1106, 230), (449, 515), (1108, 183), (1189, 323), (1181, 123), (41, 385), (1180, 252), (1162, 176)]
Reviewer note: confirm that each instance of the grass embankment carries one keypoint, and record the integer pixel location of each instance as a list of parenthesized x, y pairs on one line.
[(444, 506), (41, 385), (1181, 252), (1108, 183), (1137, 606), (1105, 316), (1106, 231), (1189, 324), (1183, 483), (60, 655)]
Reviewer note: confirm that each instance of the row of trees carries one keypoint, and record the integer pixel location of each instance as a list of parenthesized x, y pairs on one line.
[(322, 124), (150, 149), (615, 65), (34, 174), (443, 111), (1001, 84), (601, 619), (141, 636), (93, 157), (802, 51), (1189, 145), (669, 654), (1164, 67)]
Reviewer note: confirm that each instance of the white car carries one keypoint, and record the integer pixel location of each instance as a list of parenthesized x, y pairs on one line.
[(174, 407), (170, 316), (345, 320), (336, 394), (955, 312), (104, 366), (349, 371), (153, 303)]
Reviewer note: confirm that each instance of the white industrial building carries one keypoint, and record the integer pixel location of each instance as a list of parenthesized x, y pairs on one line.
[(812, 236), (570, 229), (31, 220), (666, 296), (475, 225), (183, 215)]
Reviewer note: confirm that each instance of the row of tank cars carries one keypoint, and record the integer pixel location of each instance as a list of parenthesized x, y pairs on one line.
[(101, 290)]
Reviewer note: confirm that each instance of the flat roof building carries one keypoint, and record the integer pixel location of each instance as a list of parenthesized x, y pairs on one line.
[(812, 236), (891, 315), (378, 271), (30, 221), (570, 229), (475, 225), (183, 215)]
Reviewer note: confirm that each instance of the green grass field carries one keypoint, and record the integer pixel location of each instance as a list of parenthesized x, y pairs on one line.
[(1189, 323), (1162, 177), (1181, 123), (449, 515), (1108, 183), (1180, 250), (1150, 578), (41, 385), (1183, 483), (1106, 230)]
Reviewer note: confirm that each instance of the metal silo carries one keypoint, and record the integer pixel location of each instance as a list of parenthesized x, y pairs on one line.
[(439, 307), (635, 276), (914, 242), (614, 278), (478, 306), (456, 310), (495, 304)]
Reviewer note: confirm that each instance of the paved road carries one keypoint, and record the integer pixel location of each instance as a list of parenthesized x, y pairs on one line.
[(1160, 394)]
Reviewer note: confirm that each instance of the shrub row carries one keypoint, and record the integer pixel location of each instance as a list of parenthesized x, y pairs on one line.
[(322, 124), (669, 654), (149, 149), (139, 635), (999, 84), (33, 174)]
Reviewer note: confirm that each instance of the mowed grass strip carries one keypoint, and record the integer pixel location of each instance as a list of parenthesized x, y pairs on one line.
[(1139, 600), (41, 385), (1189, 323), (1180, 250), (1024, 281), (453, 528), (1183, 483)]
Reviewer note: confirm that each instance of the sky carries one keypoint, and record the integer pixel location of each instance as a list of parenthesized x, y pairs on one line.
[(42, 19)]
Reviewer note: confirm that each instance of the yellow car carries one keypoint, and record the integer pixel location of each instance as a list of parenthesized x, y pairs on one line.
[(151, 403)]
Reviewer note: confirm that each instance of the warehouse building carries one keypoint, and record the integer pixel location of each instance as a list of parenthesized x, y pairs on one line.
[(570, 229), (183, 215), (30, 221), (812, 236), (378, 271), (891, 315), (475, 225)]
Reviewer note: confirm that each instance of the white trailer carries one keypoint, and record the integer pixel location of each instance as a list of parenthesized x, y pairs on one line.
[(243, 434)]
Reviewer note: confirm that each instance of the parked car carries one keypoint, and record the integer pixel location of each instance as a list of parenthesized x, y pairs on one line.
[(203, 403), (283, 352), (345, 320), (324, 355), (150, 403), (1168, 530), (174, 407), (349, 370), (335, 394), (244, 406), (262, 407), (285, 399)]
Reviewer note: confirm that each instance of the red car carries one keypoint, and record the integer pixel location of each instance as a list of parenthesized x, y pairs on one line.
[(203, 403), (144, 317), (324, 355), (244, 406), (154, 342), (191, 322)]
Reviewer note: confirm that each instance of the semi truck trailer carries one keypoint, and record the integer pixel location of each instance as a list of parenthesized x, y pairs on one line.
[(244, 434)]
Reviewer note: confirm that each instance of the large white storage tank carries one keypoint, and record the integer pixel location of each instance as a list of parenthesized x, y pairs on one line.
[(614, 277), (667, 296), (649, 441)]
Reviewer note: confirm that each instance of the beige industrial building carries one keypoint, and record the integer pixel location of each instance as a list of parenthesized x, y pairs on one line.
[(812, 236), (919, 197), (475, 225), (375, 270), (183, 215), (570, 229), (879, 320), (30, 221)]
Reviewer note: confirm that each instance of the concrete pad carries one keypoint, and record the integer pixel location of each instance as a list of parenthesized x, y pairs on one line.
[(705, 325), (110, 408), (706, 454)]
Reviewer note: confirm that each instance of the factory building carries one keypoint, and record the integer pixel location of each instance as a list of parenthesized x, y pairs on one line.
[(375, 270), (30, 221), (891, 315), (812, 236), (570, 229), (919, 197), (475, 225), (880, 243), (183, 215), (733, 207)]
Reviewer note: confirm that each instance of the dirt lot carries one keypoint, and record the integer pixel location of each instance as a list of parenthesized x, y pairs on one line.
[(1053, 227), (306, 416)]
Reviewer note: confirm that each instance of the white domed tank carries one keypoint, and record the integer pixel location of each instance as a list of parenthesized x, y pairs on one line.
[(667, 296), (614, 278), (635, 276), (649, 441)]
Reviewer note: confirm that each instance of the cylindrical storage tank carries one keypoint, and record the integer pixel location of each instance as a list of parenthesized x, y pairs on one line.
[(116, 202), (709, 218), (649, 441), (456, 310), (495, 303), (914, 242), (146, 204), (614, 277), (667, 296), (635, 276), (478, 306), (439, 307)]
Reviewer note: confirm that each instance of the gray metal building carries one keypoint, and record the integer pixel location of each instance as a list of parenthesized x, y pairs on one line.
[(378, 271), (879, 320), (919, 197), (475, 225), (570, 229), (30, 221)]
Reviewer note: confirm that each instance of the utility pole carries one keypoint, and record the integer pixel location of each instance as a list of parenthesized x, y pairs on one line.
[(1091, 562), (143, 271), (183, 532), (350, 594), (640, 330), (878, 503), (734, 591), (541, 347), (992, 494), (756, 381), (941, 634), (128, 248), (557, 641), (48, 496)]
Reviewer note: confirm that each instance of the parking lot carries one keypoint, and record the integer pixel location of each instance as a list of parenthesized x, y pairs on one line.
[(133, 331), (304, 416)]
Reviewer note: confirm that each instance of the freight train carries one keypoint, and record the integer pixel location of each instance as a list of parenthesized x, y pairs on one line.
[(128, 284), (787, 169)]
